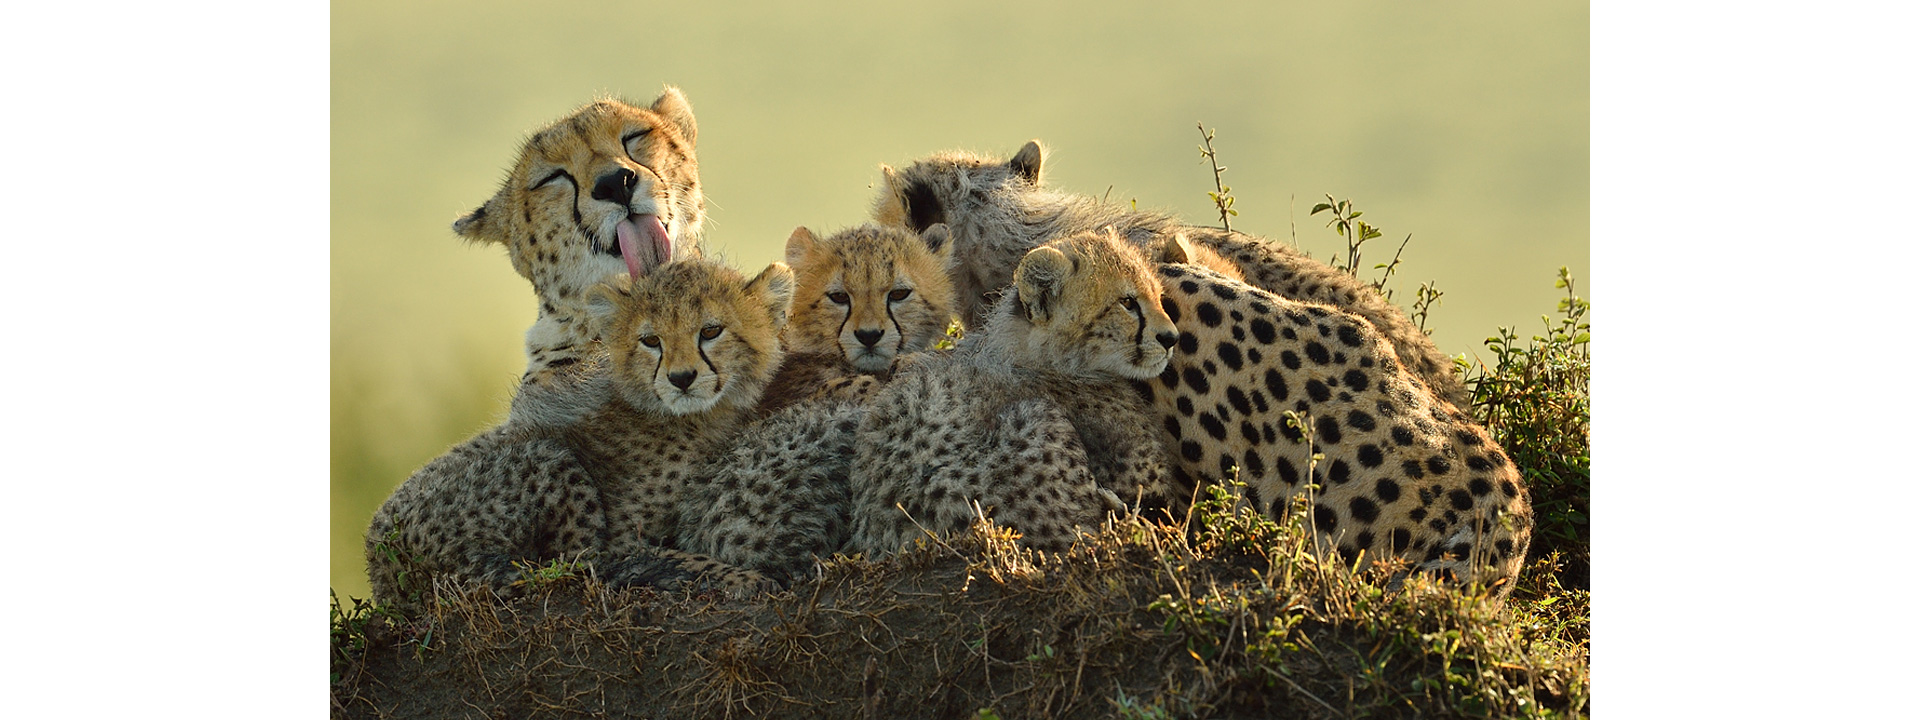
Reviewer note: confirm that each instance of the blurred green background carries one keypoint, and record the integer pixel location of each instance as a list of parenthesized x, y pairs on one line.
[(1464, 124)]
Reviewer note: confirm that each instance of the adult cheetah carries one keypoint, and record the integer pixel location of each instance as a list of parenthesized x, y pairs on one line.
[(612, 187), (1404, 474)]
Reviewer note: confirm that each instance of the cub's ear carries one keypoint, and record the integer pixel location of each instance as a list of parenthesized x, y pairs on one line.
[(1038, 281), (774, 287), (798, 245), (604, 302), (939, 239), (1174, 248), (1026, 163), (485, 224), (672, 104)]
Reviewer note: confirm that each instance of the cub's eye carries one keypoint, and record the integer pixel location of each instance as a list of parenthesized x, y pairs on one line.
[(652, 341), (631, 142), (899, 294), (838, 298), (710, 332), (1130, 304), (552, 176)]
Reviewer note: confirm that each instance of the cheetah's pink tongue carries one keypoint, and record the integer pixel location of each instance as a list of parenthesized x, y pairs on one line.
[(643, 255)]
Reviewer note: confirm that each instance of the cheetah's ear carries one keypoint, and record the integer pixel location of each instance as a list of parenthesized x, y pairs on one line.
[(1038, 281), (672, 104), (798, 245), (604, 302), (483, 224), (1026, 163), (939, 239), (1173, 249), (774, 286)]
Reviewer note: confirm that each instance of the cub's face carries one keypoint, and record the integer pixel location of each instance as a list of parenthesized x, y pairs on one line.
[(692, 335), (611, 188), (870, 294), (1094, 309)]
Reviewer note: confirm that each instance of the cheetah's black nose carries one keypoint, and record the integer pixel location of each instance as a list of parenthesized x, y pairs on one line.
[(616, 186), (868, 337), (1167, 339), (682, 379)]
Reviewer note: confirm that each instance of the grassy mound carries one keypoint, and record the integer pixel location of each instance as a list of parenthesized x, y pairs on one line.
[(1225, 615)]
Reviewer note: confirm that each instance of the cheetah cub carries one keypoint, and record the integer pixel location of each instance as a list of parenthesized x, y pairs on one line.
[(997, 210), (867, 300), (691, 345), (1031, 418), (1404, 473), (866, 297)]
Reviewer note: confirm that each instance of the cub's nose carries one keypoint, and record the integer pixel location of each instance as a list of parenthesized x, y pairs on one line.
[(682, 379), (868, 337), (616, 186), (1166, 339)]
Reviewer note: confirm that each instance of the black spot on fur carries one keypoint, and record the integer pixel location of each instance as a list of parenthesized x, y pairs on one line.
[(1479, 487), (1360, 420), (1339, 472), (1276, 385), (1213, 426), (1196, 380), (1467, 438), (1324, 518), (1460, 498), (1224, 292), (1285, 471), (1262, 330), (1508, 489), (1318, 391), (1399, 540), (1318, 353), (1411, 469), (1350, 336), (1438, 465), (1189, 287), (1363, 510), (1185, 405), (1355, 380), (1209, 314), (1370, 456), (1253, 467), (1190, 450), (1239, 400), (1402, 435), (1477, 462), (1173, 427), (1188, 343), (1172, 309), (1226, 465), (1290, 360), (1387, 490), (1230, 354), (1326, 430), (1291, 433), (1251, 433)]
